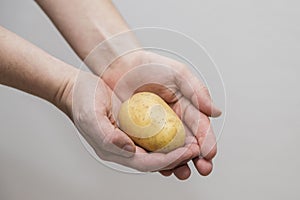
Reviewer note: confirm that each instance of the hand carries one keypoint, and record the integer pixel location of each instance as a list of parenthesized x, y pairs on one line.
[(172, 80), (92, 114), (86, 33)]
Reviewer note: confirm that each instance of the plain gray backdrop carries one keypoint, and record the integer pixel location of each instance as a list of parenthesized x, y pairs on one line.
[(256, 45)]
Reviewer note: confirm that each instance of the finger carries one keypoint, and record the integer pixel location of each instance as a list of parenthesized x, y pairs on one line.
[(183, 172), (193, 151), (179, 108), (173, 158), (203, 166), (144, 161), (193, 146), (165, 92), (200, 126), (208, 145), (166, 172), (194, 90), (191, 140), (152, 162), (114, 140)]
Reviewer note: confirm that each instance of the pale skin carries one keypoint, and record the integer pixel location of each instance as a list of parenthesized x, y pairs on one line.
[(84, 25)]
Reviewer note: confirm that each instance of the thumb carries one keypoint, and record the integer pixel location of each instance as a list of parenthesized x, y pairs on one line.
[(194, 90), (115, 140)]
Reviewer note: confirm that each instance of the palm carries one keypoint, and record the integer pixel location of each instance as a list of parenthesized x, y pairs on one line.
[(178, 87), (93, 105)]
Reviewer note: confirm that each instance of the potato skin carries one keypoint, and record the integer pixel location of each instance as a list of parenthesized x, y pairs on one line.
[(151, 123)]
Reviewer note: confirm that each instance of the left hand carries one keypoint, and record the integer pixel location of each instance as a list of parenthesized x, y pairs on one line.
[(184, 92), (90, 104)]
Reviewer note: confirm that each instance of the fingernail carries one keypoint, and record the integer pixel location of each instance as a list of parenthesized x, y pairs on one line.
[(129, 148)]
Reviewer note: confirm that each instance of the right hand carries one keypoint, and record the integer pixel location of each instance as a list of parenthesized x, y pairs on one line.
[(91, 106), (173, 81)]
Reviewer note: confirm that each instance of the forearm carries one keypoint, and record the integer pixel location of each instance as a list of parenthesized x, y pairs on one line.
[(85, 24), (28, 68)]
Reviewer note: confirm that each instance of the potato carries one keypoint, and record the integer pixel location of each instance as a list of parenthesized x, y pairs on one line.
[(151, 123)]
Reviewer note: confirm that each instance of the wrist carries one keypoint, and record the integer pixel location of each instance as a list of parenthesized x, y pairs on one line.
[(104, 55), (62, 98)]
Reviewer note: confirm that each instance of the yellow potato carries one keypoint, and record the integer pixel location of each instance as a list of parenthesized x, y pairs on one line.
[(151, 123)]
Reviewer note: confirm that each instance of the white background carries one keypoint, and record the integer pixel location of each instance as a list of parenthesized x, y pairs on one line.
[(256, 45)]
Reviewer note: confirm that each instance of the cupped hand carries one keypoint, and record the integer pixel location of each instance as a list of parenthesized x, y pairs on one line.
[(92, 102), (182, 90)]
